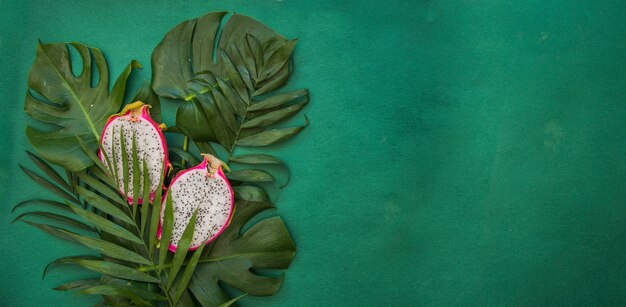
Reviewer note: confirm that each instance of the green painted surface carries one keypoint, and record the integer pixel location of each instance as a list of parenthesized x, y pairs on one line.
[(459, 152)]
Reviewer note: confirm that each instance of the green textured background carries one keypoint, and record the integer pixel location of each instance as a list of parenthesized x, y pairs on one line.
[(459, 152)]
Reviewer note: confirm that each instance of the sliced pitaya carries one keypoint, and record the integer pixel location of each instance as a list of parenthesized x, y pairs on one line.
[(150, 145), (206, 188)]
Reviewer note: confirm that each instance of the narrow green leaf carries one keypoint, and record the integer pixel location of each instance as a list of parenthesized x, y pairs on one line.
[(166, 230), (250, 193), (107, 248), (78, 284), (250, 175), (47, 203), (185, 155), (105, 225), (145, 197), (274, 82), (136, 175), (274, 116), (233, 98), (238, 60), (183, 282), (262, 159), (108, 268), (234, 77), (100, 187), (92, 155), (225, 108), (156, 213), (270, 136), (234, 300), (51, 230), (48, 170), (104, 177), (124, 161), (183, 246), (124, 291), (48, 185), (256, 159), (277, 60), (280, 99), (103, 204), (204, 147), (57, 218), (254, 48)]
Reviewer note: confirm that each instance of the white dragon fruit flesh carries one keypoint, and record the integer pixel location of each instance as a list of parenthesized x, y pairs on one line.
[(206, 188), (135, 119)]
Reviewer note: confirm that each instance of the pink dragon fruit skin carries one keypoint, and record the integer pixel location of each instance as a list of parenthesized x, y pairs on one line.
[(204, 187), (150, 144)]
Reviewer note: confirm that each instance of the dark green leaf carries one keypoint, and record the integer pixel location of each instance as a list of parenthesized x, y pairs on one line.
[(255, 50), (105, 225), (232, 301), (256, 159), (239, 61), (277, 60), (125, 165), (136, 177), (226, 110), (233, 98), (91, 154), (276, 81), (48, 185), (51, 230), (185, 50), (183, 246), (184, 279), (183, 154), (78, 284), (275, 116), (206, 148), (47, 203), (251, 193), (166, 230), (149, 97), (234, 76), (250, 175), (270, 136), (108, 249), (48, 170), (103, 189), (57, 218), (70, 103), (265, 245), (155, 214), (280, 99), (103, 204), (145, 197), (192, 120), (124, 291), (108, 268)]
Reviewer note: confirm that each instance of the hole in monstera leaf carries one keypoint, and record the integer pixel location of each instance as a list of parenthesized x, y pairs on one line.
[(218, 35), (95, 72), (272, 273), (76, 63)]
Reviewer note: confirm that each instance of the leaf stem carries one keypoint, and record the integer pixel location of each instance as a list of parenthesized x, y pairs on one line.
[(186, 149)]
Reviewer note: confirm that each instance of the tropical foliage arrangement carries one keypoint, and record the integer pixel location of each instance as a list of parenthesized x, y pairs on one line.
[(222, 72)]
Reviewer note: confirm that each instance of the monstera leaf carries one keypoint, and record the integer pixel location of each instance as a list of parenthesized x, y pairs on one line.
[(72, 106), (236, 254), (219, 82)]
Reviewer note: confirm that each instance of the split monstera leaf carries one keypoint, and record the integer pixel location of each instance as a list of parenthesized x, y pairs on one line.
[(222, 85)]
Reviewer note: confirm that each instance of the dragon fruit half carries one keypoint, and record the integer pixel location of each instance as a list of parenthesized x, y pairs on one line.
[(204, 187), (150, 145)]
